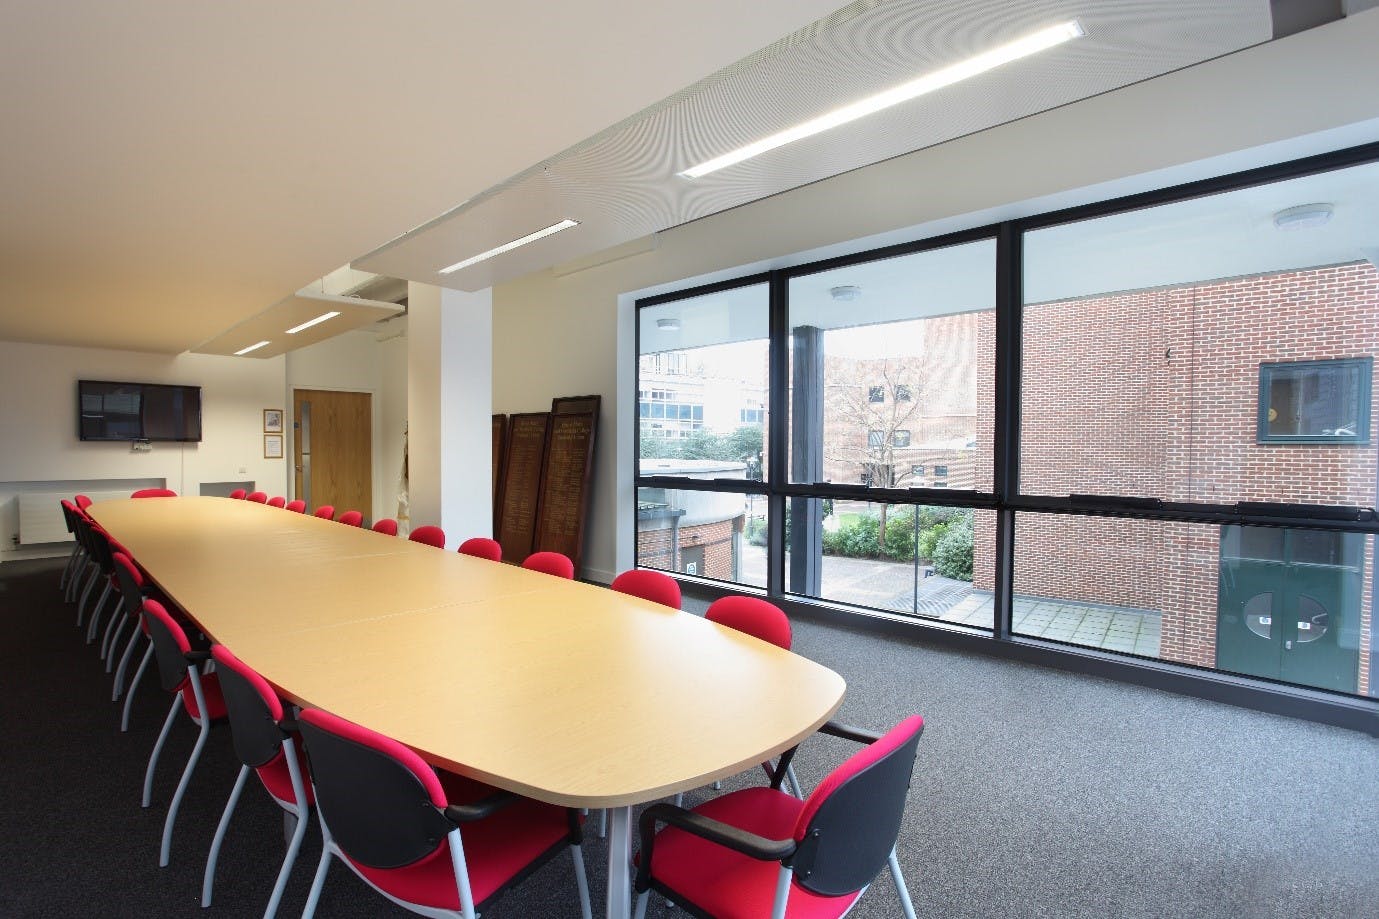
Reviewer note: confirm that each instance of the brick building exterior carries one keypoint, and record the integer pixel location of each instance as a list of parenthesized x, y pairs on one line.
[(1156, 393)]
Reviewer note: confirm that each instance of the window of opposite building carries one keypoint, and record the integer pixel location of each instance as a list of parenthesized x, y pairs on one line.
[(1314, 402)]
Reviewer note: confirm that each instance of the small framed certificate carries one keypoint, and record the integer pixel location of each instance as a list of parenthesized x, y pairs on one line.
[(272, 446)]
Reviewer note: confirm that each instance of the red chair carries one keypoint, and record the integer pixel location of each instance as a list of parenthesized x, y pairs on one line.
[(239, 494), (154, 493), (297, 507), (552, 563), (266, 743), (763, 620), (482, 547), (258, 497), (277, 501), (439, 845), (76, 562), (195, 693), (351, 518), (129, 582), (387, 526), (83, 502), (752, 615), (428, 535), (760, 852), (649, 585), (325, 512)]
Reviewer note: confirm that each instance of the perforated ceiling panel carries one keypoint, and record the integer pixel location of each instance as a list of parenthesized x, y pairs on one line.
[(623, 183)]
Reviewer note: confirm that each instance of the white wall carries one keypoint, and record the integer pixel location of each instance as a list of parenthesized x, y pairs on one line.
[(449, 409), (39, 449), (570, 335)]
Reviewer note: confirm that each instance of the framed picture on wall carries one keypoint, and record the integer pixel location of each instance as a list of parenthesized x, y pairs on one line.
[(272, 421), (272, 446)]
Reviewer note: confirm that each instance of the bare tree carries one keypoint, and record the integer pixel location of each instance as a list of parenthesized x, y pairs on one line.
[(875, 404)]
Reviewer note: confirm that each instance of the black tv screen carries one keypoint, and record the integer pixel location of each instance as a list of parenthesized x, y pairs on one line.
[(138, 411)]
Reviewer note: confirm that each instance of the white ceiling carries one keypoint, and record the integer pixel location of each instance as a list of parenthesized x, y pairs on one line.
[(624, 183), (171, 169), (173, 172)]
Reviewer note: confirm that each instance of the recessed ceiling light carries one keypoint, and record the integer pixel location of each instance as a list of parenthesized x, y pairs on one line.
[(962, 70), (1303, 216), (251, 348), (311, 322), (668, 324), (508, 247)]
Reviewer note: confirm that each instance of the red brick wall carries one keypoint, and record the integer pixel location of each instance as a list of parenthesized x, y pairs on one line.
[(654, 547), (1155, 393)]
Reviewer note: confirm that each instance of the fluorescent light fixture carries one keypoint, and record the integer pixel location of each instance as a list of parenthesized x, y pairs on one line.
[(962, 70), (508, 247), (251, 348), (311, 322)]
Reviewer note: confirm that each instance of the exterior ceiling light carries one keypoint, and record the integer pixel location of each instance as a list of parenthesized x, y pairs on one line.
[(1304, 216), (668, 324), (845, 293), (508, 247), (929, 82)]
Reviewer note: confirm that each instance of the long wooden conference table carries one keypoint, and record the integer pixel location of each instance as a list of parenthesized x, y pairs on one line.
[(566, 692)]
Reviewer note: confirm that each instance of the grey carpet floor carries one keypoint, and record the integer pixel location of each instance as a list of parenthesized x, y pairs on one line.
[(1036, 793)]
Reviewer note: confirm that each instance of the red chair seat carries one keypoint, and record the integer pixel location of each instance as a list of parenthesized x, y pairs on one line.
[(729, 885), (215, 699), (497, 849), (278, 781)]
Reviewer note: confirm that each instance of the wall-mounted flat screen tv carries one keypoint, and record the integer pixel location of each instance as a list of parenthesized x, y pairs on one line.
[(138, 411)]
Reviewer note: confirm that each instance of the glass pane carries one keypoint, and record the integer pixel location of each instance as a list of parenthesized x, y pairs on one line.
[(1209, 350), (709, 534), (898, 557), (1214, 597), (891, 370), (702, 375)]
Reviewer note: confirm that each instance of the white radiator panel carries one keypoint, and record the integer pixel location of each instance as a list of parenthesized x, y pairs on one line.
[(40, 515)]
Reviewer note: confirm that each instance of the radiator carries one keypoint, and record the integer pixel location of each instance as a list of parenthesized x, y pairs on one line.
[(40, 515)]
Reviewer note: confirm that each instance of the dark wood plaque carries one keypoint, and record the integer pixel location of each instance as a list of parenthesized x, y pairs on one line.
[(565, 485), (500, 429), (523, 459), (575, 405)]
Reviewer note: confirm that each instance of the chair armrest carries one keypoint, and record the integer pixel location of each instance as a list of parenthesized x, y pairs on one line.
[(197, 657), (465, 813), (289, 726), (723, 834), (848, 732)]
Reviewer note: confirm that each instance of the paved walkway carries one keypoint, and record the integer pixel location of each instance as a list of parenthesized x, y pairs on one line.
[(891, 586)]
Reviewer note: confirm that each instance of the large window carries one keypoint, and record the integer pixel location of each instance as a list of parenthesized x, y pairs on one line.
[(1135, 431)]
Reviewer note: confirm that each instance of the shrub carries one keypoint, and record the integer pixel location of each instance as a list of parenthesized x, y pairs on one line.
[(953, 550), (900, 535), (928, 538)]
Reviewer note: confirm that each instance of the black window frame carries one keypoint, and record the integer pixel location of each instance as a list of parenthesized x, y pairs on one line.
[(1006, 497)]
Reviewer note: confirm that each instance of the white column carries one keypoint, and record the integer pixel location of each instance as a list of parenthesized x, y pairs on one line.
[(449, 409)]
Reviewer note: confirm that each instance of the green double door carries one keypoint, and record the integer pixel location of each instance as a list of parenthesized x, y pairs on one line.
[(1289, 605)]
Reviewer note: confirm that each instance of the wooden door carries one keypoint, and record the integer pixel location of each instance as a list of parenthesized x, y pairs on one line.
[(333, 449)]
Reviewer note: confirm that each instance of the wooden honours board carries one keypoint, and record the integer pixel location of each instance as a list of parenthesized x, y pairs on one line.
[(523, 460), (500, 429), (565, 485)]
